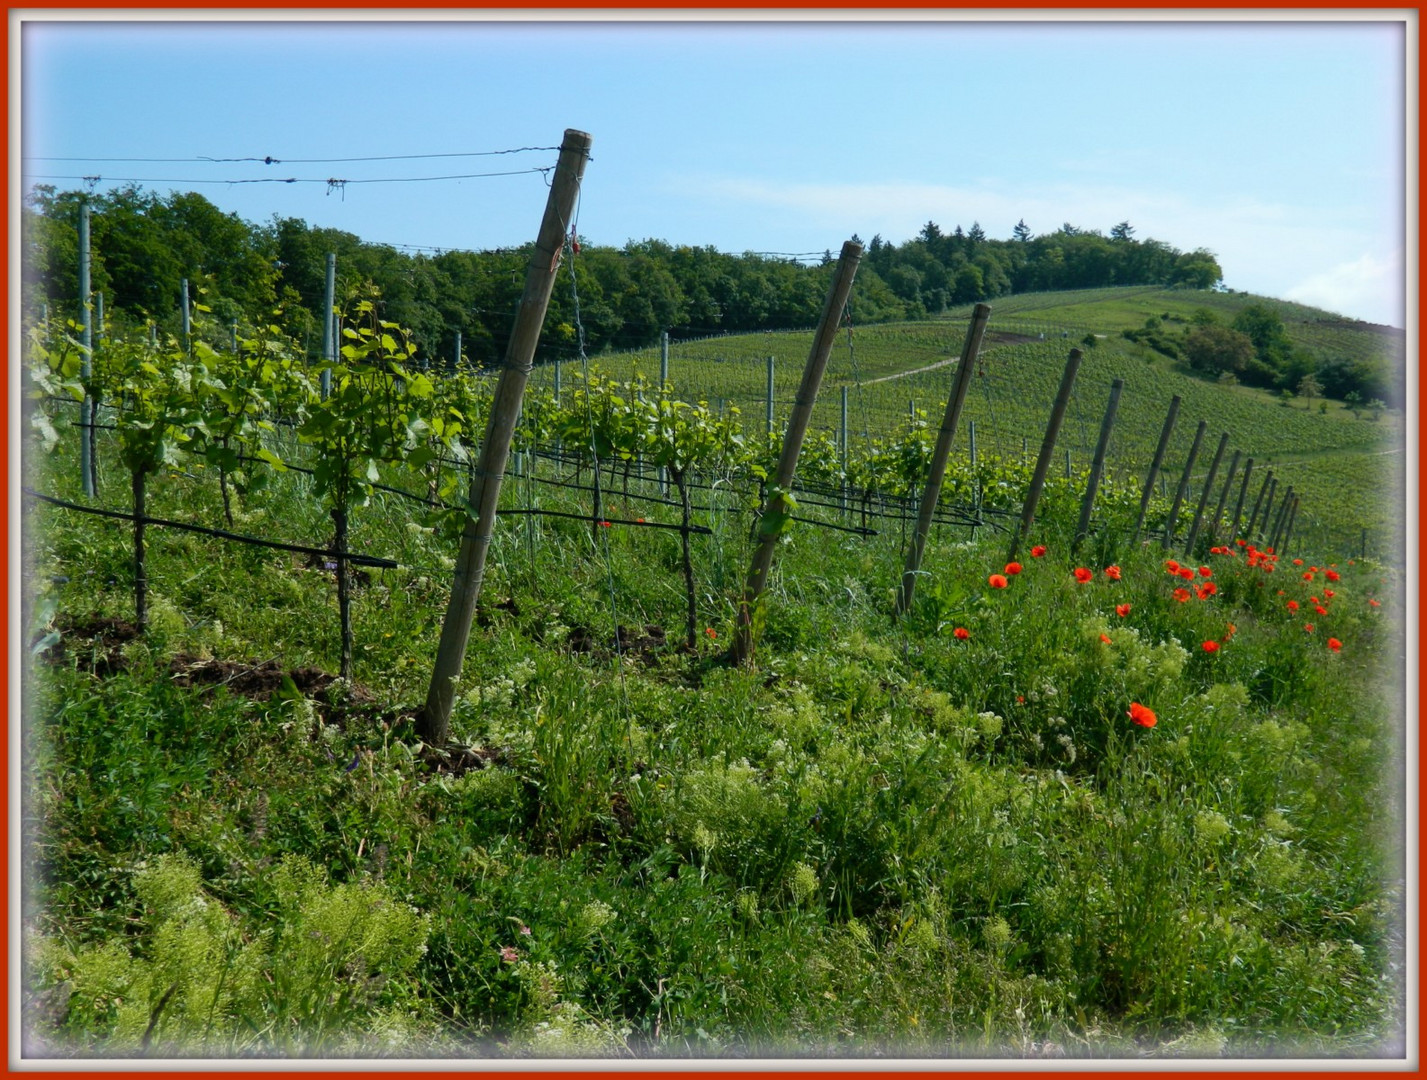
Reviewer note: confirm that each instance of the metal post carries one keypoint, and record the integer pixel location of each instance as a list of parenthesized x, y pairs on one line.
[(187, 317), (1164, 435), (936, 472), (329, 331), (1057, 414), (1204, 495), (842, 445), (1067, 463), (86, 357), (663, 360), (768, 407), (433, 725), (776, 510), (456, 355), (1183, 488), (1097, 465)]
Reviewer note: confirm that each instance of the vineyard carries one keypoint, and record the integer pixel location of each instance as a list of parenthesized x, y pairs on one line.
[(1121, 791)]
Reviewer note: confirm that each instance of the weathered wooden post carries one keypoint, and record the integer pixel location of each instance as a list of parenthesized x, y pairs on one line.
[(936, 471), (1183, 488), (1280, 518), (1258, 504), (1288, 525), (777, 510), (1239, 503), (1097, 464), (433, 723), (1224, 497), (1204, 495), (1268, 507), (1164, 435), (1057, 415)]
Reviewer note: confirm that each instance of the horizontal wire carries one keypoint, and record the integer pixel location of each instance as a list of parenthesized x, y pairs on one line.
[(330, 181), (270, 160)]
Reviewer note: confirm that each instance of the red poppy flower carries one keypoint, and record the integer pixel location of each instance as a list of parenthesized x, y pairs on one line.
[(710, 631), (1206, 590), (1231, 631), (961, 633), (639, 521), (1020, 699), (1182, 595), (1334, 644), (1171, 566), (1375, 603), (1013, 568), (606, 524), (1142, 715), (1204, 571), (1321, 610), (1268, 568), (1122, 610), (1293, 605), (1038, 551), (1329, 593), (1308, 627), (1211, 646), (1083, 575), (1113, 573), (1241, 542), (1186, 573), (1269, 550), (1331, 575), (1106, 639), (997, 581), (1297, 562), (1308, 575)]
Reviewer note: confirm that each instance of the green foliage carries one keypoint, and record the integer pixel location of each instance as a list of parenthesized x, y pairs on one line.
[(328, 971)]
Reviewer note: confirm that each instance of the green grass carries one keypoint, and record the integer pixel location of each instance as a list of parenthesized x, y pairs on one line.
[(880, 838)]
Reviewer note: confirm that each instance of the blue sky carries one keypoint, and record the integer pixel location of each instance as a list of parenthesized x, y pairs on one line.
[(1279, 146)]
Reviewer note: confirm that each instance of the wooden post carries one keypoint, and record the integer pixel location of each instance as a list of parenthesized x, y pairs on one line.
[(433, 724), (1164, 435), (1067, 463), (1183, 488), (775, 510), (1057, 414), (768, 404), (88, 473), (1258, 502), (329, 330), (936, 472), (1097, 465), (1268, 507), (1224, 497), (1204, 495), (1280, 518), (1239, 503), (1288, 525)]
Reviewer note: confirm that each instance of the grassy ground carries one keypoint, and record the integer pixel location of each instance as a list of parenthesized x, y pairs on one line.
[(886, 836)]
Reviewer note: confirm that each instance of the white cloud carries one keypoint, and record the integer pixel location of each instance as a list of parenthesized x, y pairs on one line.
[(1370, 283), (1267, 248)]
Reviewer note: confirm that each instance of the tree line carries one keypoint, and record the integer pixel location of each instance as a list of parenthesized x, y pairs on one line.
[(143, 245)]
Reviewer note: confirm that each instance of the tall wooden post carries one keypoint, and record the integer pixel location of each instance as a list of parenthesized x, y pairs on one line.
[(1057, 415), (1224, 497), (433, 725), (1097, 465), (1288, 525), (1280, 518), (86, 358), (1239, 503), (1164, 435), (776, 509), (1268, 507), (1204, 495), (936, 472), (1183, 488), (1258, 503)]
